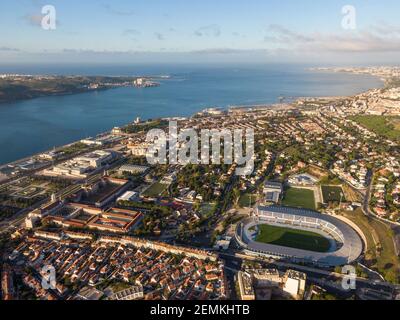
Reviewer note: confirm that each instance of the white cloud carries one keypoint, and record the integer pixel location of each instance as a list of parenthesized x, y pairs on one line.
[(230, 51), (208, 31), (380, 38), (118, 12), (280, 34), (131, 32), (9, 49), (159, 36)]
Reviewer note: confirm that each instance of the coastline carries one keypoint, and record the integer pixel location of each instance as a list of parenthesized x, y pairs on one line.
[(355, 71), (54, 95), (27, 87), (271, 106)]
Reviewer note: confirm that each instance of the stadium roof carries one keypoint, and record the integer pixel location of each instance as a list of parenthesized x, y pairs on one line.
[(350, 250)]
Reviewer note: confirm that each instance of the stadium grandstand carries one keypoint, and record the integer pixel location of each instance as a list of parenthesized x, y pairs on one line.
[(346, 245)]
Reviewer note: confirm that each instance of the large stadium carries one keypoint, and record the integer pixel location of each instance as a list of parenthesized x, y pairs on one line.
[(299, 235)]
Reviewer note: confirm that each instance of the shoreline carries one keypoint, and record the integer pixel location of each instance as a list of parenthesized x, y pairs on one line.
[(270, 106), (362, 71), (81, 84), (273, 107)]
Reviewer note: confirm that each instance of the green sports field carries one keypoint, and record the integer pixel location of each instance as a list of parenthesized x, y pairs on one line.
[(247, 200), (155, 190), (299, 198), (332, 193), (292, 238)]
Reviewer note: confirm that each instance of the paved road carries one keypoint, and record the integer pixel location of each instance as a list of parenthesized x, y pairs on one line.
[(327, 279), (394, 225), (366, 208)]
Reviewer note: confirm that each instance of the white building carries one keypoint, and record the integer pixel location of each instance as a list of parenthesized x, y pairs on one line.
[(81, 166), (303, 179), (272, 191), (132, 293), (139, 150), (131, 168), (223, 243), (129, 196), (116, 131), (91, 142), (295, 283), (30, 222), (96, 158)]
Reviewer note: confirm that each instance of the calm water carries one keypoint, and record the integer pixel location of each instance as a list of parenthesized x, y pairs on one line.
[(32, 126)]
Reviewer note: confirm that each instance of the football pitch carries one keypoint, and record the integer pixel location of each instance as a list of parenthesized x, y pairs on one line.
[(292, 238), (332, 193), (299, 198), (155, 190)]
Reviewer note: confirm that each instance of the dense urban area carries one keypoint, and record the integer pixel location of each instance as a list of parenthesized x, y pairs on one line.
[(324, 193)]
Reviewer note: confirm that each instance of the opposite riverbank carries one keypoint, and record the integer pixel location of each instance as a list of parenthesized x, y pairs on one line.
[(36, 125)]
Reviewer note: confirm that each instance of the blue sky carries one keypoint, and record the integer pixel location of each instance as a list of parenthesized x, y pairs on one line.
[(207, 30)]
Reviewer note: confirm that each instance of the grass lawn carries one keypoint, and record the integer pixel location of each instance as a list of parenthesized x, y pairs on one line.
[(244, 200), (292, 238), (299, 198), (388, 263), (76, 147), (155, 190), (381, 254), (383, 125), (119, 286), (207, 209), (332, 193)]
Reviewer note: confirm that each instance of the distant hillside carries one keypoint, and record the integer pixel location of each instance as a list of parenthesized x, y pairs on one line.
[(15, 88)]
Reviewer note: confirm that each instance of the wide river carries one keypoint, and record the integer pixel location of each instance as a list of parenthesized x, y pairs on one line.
[(31, 126)]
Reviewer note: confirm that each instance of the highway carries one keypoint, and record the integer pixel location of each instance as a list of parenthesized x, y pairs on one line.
[(324, 278)]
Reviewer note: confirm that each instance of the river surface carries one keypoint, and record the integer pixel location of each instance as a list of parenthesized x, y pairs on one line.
[(32, 126)]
